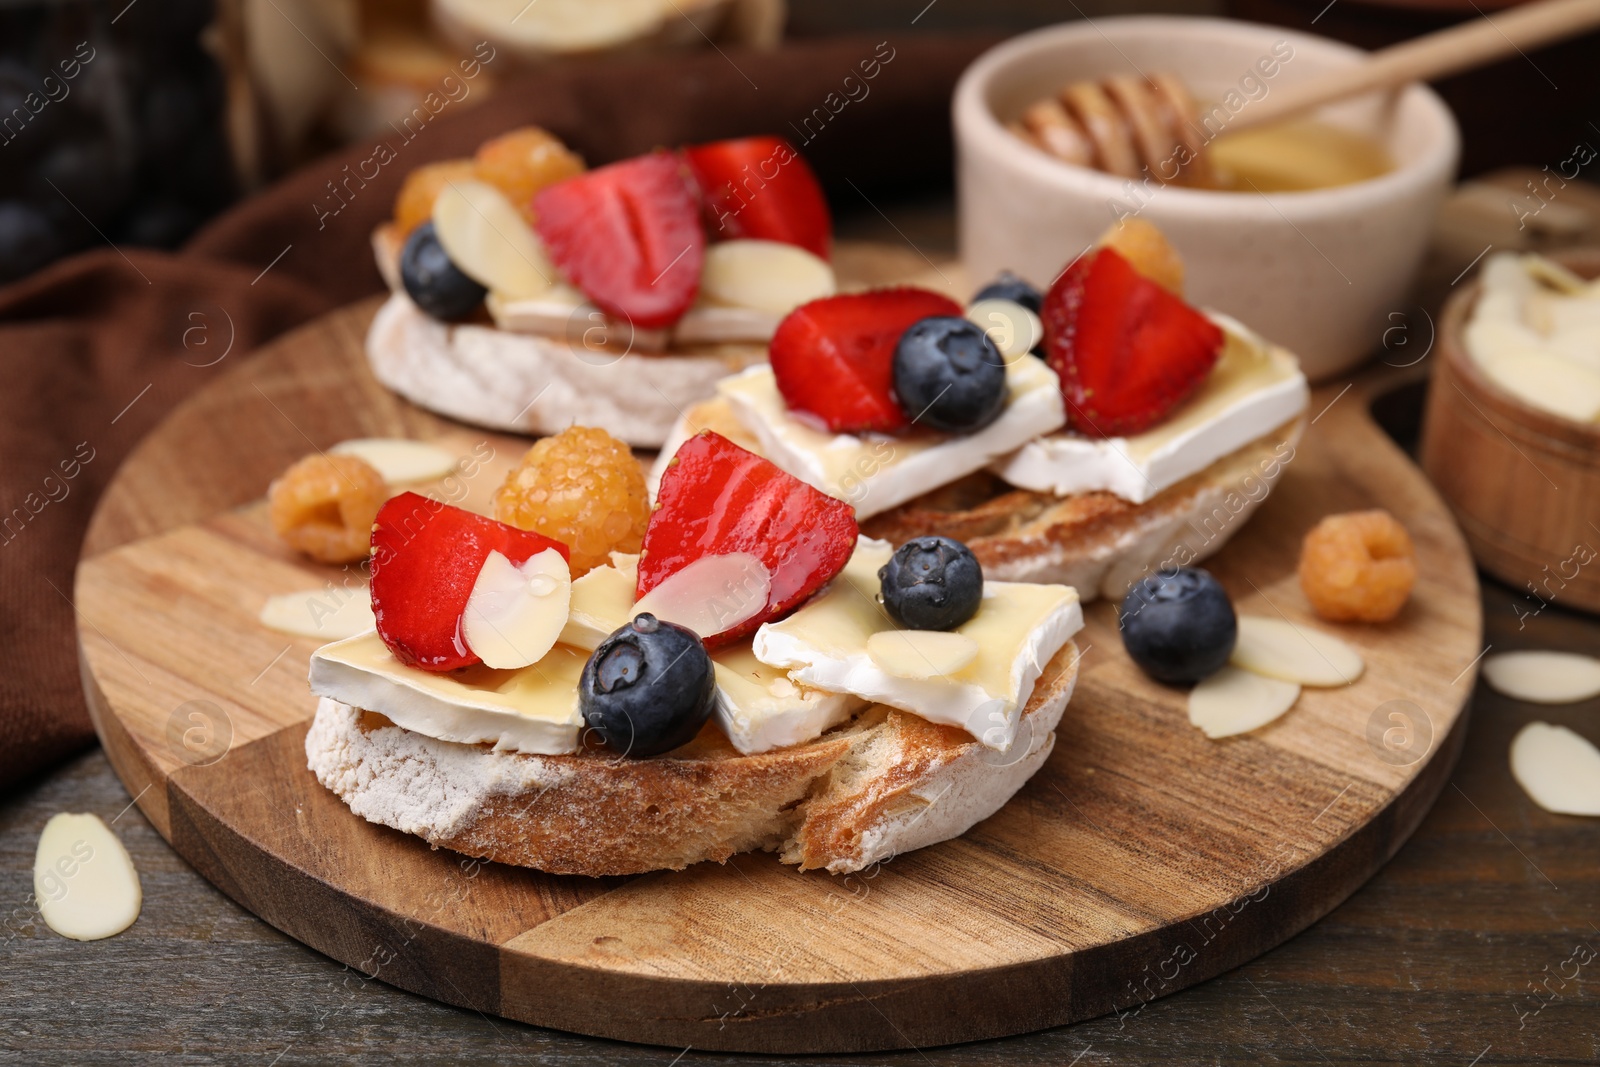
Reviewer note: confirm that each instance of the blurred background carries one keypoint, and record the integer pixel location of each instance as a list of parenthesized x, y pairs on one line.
[(132, 122)]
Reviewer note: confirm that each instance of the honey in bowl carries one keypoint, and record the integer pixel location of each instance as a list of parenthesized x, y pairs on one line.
[(1291, 157), (1151, 128)]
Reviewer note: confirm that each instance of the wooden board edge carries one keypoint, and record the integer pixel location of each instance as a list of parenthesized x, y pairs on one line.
[(140, 776), (849, 1017), (372, 942), (877, 1016)]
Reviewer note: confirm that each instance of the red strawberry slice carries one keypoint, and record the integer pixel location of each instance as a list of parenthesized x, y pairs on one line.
[(425, 558), (629, 236), (834, 358), (1128, 352), (760, 187), (716, 498)]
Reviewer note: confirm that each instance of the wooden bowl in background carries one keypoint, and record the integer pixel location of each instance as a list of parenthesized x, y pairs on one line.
[(1523, 483)]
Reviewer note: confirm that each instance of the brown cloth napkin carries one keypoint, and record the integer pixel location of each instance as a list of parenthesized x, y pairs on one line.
[(95, 350)]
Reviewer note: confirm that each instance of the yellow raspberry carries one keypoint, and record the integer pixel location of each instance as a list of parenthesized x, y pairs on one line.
[(582, 487), (1358, 566), (522, 162), (1147, 251), (414, 205), (324, 506)]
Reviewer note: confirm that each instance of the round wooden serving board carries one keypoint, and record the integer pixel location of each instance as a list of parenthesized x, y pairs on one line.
[(1143, 858)]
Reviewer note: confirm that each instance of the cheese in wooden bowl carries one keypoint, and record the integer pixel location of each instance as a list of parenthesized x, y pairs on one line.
[(1511, 435)]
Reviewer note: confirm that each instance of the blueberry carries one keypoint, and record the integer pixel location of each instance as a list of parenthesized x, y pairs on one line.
[(1178, 625), (437, 285), (648, 688), (948, 375), (931, 583), (1010, 287)]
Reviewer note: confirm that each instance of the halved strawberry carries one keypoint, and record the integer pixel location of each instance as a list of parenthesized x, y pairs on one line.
[(834, 358), (629, 236), (1128, 352), (716, 498), (761, 187), (426, 555)]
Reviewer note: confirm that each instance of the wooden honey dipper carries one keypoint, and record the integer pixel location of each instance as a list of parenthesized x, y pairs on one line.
[(1126, 125)]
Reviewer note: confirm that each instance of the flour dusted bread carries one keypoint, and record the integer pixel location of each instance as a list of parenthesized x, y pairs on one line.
[(883, 783)]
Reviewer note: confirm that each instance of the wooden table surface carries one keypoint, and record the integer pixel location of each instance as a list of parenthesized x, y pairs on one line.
[(1434, 961)]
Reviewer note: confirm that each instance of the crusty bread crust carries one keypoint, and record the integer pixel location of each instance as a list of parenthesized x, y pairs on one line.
[(524, 383), (883, 783), (1096, 542)]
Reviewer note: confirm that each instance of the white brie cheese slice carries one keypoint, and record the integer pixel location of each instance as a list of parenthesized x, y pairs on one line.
[(564, 314), (758, 706), (531, 709), (876, 472), (601, 603), (1253, 389), (1019, 628), (761, 708)]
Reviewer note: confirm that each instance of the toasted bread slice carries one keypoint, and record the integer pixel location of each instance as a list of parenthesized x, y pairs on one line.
[(527, 383), (1096, 542), (885, 782)]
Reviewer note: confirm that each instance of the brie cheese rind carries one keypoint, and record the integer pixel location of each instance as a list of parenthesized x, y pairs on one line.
[(876, 472), (531, 709), (1253, 389), (1019, 627)]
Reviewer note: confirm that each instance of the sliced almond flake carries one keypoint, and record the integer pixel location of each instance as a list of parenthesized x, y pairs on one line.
[(1291, 652), (1233, 701), (516, 611), (1558, 769), (84, 880), (1544, 677), (398, 460), (328, 615), (768, 276), (488, 239), (712, 595)]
